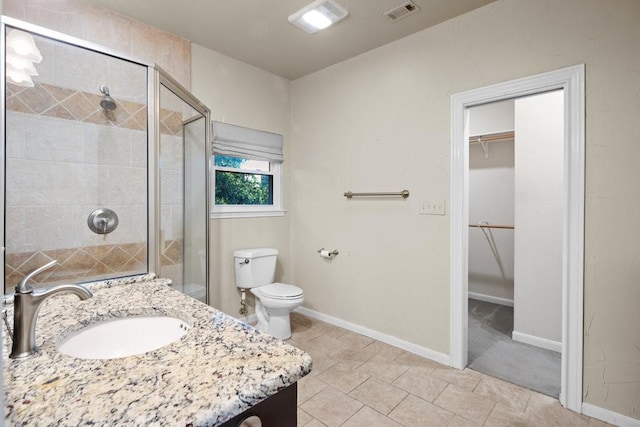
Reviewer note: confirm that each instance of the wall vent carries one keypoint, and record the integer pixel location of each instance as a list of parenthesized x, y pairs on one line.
[(405, 9)]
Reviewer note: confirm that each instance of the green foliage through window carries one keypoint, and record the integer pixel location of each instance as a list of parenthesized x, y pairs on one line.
[(241, 188)]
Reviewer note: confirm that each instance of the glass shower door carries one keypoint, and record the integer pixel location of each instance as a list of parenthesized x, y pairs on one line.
[(75, 166), (183, 166), (104, 166)]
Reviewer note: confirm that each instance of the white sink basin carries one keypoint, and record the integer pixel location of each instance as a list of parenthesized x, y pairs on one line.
[(122, 337)]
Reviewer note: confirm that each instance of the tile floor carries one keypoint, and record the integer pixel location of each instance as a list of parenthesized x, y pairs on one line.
[(360, 382)]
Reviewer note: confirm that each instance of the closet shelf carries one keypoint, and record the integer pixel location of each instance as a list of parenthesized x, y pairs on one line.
[(506, 227)]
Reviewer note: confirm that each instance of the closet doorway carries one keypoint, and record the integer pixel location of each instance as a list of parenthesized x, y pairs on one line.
[(515, 240), (570, 81)]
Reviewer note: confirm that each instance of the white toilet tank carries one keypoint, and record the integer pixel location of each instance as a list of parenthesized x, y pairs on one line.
[(255, 267)]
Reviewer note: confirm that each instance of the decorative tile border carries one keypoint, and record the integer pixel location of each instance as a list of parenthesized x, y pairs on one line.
[(86, 264), (77, 264), (53, 101), (172, 253)]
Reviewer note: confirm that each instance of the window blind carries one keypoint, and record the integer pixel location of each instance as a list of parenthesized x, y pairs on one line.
[(238, 141)]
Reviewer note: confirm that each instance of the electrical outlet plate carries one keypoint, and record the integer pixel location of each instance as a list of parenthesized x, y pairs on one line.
[(433, 207)]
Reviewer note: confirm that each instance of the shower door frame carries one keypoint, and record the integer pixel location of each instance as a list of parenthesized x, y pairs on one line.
[(156, 76)]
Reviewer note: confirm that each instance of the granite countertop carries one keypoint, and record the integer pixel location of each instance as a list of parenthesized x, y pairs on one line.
[(220, 368)]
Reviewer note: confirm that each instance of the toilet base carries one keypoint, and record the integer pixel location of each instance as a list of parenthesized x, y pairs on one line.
[(276, 324), (275, 320)]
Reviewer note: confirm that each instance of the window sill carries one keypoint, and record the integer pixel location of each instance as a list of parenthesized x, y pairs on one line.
[(248, 214)]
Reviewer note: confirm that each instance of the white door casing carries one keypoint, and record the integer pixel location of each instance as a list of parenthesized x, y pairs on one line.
[(571, 80)]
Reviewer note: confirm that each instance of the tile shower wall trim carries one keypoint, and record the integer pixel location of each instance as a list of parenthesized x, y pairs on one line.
[(69, 104), (77, 264), (86, 263)]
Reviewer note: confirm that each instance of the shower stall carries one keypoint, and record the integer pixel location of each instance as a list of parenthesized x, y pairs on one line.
[(105, 165)]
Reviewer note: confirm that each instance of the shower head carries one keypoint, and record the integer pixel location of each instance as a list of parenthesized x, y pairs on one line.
[(107, 101)]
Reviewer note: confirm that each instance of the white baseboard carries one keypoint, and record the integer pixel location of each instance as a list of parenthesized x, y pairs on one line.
[(537, 341), (587, 409), (491, 299), (609, 416), (445, 359)]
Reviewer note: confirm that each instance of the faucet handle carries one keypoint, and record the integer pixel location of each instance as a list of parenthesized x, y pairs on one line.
[(24, 287)]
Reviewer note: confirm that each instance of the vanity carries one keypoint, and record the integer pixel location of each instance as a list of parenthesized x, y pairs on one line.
[(218, 373)]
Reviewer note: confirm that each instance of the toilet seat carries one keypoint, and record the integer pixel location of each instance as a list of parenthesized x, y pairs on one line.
[(281, 291)]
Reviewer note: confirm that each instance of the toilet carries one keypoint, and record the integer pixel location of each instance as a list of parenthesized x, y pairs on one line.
[(255, 270)]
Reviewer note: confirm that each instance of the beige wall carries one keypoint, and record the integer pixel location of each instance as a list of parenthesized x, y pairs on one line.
[(381, 121), (243, 95)]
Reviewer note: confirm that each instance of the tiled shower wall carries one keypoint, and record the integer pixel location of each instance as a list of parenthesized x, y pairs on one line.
[(89, 22), (67, 157), (92, 23), (46, 175), (56, 177)]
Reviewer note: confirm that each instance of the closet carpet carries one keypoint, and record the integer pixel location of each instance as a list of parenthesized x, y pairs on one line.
[(493, 352)]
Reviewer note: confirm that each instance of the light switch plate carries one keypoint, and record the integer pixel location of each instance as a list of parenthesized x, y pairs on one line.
[(433, 207)]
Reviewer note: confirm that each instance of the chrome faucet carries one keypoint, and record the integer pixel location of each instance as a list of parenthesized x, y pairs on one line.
[(27, 304)]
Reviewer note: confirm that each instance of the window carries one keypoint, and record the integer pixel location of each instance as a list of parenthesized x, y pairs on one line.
[(247, 169)]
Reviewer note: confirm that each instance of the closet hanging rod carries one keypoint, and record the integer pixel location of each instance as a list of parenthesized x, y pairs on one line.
[(404, 194), (506, 227), (500, 136)]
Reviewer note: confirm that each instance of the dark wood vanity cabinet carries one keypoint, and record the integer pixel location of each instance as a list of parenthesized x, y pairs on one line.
[(279, 410)]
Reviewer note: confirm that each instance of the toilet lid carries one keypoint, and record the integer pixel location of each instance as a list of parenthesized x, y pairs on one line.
[(280, 290)]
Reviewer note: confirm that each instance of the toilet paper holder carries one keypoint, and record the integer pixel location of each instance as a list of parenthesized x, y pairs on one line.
[(327, 254)]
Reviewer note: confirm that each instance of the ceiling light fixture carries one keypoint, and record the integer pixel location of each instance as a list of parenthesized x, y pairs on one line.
[(318, 15)]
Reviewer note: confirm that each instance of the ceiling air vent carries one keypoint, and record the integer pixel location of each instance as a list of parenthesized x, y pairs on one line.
[(405, 9)]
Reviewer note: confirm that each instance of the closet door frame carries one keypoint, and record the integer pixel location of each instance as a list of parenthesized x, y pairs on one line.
[(572, 81)]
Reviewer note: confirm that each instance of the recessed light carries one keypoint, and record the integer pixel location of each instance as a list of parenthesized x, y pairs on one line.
[(318, 15)]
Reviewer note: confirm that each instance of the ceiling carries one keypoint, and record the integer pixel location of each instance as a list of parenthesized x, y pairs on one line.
[(257, 31)]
